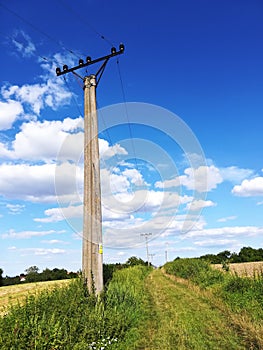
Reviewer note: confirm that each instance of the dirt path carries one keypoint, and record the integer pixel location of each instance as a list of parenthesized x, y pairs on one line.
[(181, 318)]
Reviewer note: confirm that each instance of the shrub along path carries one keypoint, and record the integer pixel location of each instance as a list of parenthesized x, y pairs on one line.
[(179, 317)]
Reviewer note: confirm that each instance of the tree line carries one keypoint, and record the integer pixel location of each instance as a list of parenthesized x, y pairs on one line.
[(246, 254), (32, 274)]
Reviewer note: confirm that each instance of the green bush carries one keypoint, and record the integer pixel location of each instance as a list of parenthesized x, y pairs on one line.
[(242, 294), (197, 270)]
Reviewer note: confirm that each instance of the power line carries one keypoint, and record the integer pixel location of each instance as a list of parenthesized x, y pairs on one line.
[(73, 97), (91, 27), (38, 30), (126, 113)]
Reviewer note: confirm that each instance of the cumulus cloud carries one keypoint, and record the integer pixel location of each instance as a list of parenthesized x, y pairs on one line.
[(235, 174), (107, 151), (201, 179), (9, 112), (12, 234), (36, 183), (43, 140), (198, 204), (249, 188), (228, 231), (59, 214), (37, 96), (21, 101)]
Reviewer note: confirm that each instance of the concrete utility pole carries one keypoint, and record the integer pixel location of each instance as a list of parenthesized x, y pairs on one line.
[(92, 261), (146, 235), (92, 254)]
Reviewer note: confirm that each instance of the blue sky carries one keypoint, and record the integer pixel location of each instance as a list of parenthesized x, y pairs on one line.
[(180, 115)]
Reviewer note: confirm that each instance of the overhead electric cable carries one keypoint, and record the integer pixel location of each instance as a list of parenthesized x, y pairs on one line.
[(39, 30), (126, 113), (73, 97), (91, 27)]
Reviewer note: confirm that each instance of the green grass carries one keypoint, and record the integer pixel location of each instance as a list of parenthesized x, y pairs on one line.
[(183, 318), (243, 295), (69, 318), (18, 293), (142, 309)]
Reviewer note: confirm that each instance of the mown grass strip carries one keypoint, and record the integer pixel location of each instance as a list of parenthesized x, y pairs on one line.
[(179, 318), (240, 297)]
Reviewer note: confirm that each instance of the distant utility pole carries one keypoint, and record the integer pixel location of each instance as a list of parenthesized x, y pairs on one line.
[(92, 260), (151, 258), (166, 252), (146, 235)]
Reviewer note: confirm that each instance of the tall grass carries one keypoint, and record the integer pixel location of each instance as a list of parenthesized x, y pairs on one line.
[(70, 318), (242, 294), (197, 270)]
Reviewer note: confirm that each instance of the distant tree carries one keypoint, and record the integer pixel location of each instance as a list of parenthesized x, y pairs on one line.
[(32, 274), (211, 258), (133, 261), (224, 256), (8, 281), (32, 269), (235, 258), (1, 277), (248, 254), (109, 269), (59, 274), (46, 275)]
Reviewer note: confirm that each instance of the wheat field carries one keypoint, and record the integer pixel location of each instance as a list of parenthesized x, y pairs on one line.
[(10, 295), (247, 269)]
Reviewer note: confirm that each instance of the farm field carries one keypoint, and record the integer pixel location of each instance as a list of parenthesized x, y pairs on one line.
[(185, 305), (10, 295), (248, 269)]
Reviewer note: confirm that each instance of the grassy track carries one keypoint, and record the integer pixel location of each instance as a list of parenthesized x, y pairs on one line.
[(182, 318)]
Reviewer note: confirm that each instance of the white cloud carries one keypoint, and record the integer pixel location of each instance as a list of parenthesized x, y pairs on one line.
[(40, 183), (134, 176), (12, 234), (249, 188), (199, 204), (54, 241), (23, 43), (43, 140), (42, 251), (15, 208), (9, 112), (59, 214), (4, 152), (227, 232), (201, 179), (215, 242), (227, 218), (235, 174), (107, 151), (49, 92)]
